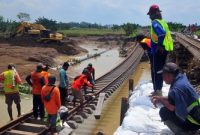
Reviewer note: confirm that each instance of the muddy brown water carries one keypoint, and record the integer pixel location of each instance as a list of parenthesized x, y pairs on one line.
[(102, 64)]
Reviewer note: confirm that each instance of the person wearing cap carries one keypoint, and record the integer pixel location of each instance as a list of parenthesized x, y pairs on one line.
[(181, 111), (53, 104), (64, 82), (78, 84), (11, 81), (161, 44), (36, 81)]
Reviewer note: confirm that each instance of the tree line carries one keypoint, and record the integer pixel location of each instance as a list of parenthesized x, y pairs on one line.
[(129, 28)]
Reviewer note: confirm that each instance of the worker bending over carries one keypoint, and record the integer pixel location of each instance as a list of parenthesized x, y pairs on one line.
[(78, 84), (181, 111)]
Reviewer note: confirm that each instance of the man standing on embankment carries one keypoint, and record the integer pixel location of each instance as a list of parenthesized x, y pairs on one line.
[(161, 44)]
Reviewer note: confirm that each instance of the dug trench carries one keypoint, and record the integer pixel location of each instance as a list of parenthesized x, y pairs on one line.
[(182, 57), (25, 52)]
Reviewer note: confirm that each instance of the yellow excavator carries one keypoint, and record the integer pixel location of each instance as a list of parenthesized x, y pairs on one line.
[(39, 31)]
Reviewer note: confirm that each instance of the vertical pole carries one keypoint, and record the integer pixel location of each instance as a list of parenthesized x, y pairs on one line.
[(124, 107), (124, 101), (131, 86)]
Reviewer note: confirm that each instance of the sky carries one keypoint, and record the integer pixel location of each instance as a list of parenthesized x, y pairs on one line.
[(103, 11)]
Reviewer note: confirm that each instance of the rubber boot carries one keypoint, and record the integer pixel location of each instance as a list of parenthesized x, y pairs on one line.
[(175, 129)]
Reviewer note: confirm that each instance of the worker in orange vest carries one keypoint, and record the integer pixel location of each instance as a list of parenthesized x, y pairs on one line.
[(145, 43), (51, 98), (36, 81), (11, 81), (78, 84)]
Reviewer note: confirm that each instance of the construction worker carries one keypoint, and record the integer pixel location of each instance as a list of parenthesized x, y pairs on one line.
[(77, 85), (145, 44), (181, 111), (90, 76), (64, 83), (91, 70), (36, 81), (161, 44), (11, 81), (51, 98)]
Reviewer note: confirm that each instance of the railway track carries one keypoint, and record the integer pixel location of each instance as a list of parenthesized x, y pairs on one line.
[(193, 45), (108, 83)]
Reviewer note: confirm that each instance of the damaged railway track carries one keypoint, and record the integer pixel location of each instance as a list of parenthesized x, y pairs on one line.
[(108, 83), (187, 54), (191, 44)]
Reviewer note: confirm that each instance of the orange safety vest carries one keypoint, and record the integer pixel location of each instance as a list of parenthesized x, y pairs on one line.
[(46, 76), (79, 82), (36, 81), (147, 41)]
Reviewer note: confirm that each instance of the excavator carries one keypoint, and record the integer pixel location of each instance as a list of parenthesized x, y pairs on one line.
[(39, 32)]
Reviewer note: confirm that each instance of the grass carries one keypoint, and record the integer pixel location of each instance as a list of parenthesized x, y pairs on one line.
[(197, 33), (91, 32)]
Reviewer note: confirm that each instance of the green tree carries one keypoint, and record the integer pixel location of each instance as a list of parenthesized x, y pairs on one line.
[(48, 23), (129, 28), (115, 27), (173, 26), (23, 16)]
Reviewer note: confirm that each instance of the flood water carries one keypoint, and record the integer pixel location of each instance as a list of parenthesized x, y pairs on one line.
[(103, 64)]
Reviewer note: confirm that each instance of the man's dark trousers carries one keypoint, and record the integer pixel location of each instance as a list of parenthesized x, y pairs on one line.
[(158, 62)]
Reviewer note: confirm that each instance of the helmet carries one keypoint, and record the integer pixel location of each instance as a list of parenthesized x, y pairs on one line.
[(153, 9)]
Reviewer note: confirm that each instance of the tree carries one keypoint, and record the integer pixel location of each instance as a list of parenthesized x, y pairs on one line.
[(23, 16), (129, 28), (48, 23), (176, 26), (115, 27)]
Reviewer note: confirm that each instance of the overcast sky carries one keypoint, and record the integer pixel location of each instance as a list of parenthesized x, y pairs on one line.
[(103, 11)]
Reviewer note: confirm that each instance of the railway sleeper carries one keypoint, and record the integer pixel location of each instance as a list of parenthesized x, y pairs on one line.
[(88, 110), (18, 132), (92, 106), (83, 114), (72, 124), (78, 118), (30, 127)]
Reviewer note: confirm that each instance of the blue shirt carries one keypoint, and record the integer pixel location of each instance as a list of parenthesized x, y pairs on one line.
[(160, 32), (182, 94), (64, 82)]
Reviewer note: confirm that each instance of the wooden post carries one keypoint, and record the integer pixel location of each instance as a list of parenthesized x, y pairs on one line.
[(131, 86), (124, 108), (124, 101)]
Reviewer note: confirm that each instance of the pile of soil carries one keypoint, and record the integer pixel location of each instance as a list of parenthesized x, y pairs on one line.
[(68, 47), (26, 53)]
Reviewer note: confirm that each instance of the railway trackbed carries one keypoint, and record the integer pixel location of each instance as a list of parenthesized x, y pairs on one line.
[(191, 44), (108, 83)]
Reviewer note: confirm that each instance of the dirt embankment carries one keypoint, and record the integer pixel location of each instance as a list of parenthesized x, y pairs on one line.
[(25, 53)]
